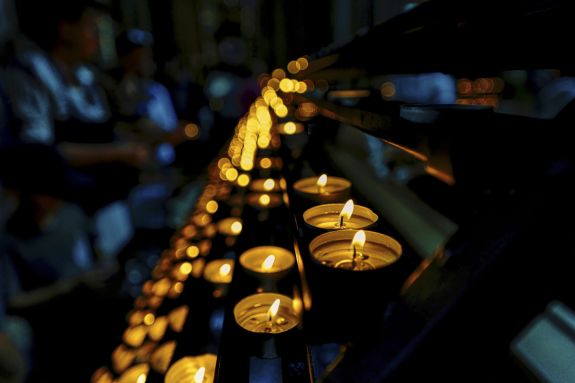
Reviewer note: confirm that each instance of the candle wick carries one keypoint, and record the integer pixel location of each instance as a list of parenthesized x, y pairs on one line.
[(341, 223), (353, 257)]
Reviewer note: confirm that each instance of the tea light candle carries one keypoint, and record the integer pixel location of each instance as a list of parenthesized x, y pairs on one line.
[(355, 250), (137, 373), (265, 185), (219, 271), (194, 369), (266, 313), (267, 263), (323, 188), (337, 216), (264, 200), (230, 226), (289, 128)]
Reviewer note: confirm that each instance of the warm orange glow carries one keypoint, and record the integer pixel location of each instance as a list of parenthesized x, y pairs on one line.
[(236, 227), (286, 85), (278, 73), (387, 90), (178, 287), (177, 318), (268, 263), (346, 211), (272, 312), (302, 87), (358, 241), (269, 184), (149, 319), (225, 269), (303, 63), (193, 251), (289, 128), (243, 180), (321, 182), (186, 268), (231, 174), (265, 163), (192, 131), (264, 200), (141, 378), (199, 376), (281, 110), (293, 67), (274, 83), (212, 207)]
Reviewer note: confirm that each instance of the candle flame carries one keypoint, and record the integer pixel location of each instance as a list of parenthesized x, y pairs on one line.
[(141, 378), (199, 377), (346, 211), (289, 128), (269, 184), (236, 227), (264, 200), (272, 312), (358, 240), (225, 269), (322, 181), (268, 263)]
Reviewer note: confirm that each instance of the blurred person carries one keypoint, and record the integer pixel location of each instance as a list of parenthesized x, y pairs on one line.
[(56, 100), (141, 101)]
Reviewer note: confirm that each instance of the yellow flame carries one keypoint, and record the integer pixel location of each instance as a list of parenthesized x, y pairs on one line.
[(243, 180), (264, 200), (289, 128), (149, 319), (225, 269), (236, 227), (268, 263), (272, 312), (346, 211), (141, 378), (211, 206), (199, 377), (269, 184), (358, 240), (322, 181)]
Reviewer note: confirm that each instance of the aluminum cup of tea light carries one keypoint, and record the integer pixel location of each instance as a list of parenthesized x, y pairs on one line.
[(269, 264), (339, 216), (323, 189)]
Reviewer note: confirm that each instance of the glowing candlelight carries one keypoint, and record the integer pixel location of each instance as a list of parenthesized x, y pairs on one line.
[(289, 128), (272, 312), (219, 272), (269, 264), (236, 227), (200, 368), (266, 313), (269, 184), (323, 188), (357, 244), (369, 250), (199, 376), (230, 226), (321, 182), (141, 378), (225, 270), (346, 213), (264, 199)]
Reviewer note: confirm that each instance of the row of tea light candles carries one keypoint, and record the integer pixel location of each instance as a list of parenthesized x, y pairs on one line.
[(257, 313)]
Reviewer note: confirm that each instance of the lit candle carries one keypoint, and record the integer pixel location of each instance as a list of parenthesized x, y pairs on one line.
[(263, 200), (267, 263), (266, 313), (196, 369), (355, 250), (339, 216), (137, 373), (289, 128), (264, 185), (230, 226), (219, 272), (323, 188)]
